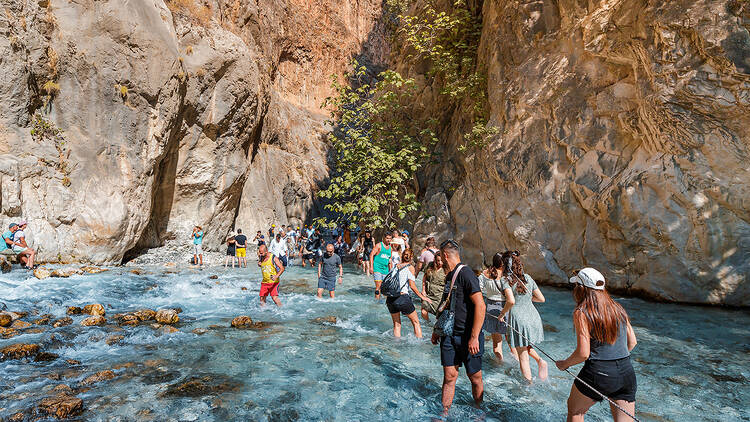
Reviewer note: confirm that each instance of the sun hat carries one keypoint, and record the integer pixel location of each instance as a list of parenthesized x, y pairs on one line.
[(406, 232), (23, 223), (12, 225), (590, 278)]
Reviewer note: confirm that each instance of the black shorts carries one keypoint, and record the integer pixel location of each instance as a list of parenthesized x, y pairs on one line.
[(613, 378), (230, 252), (308, 256), (402, 303), (454, 351)]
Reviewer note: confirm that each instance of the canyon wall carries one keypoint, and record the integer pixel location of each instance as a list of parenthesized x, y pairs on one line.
[(624, 128), (173, 113)]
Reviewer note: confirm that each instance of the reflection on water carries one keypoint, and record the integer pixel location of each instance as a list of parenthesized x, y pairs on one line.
[(693, 363)]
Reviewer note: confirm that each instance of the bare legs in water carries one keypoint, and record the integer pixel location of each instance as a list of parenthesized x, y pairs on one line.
[(523, 359)]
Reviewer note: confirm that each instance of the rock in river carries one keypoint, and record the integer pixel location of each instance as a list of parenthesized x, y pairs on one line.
[(98, 377), (61, 406), (65, 272), (73, 310), (242, 321), (94, 309), (167, 316), (18, 351), (94, 320), (62, 322), (20, 325), (5, 320), (145, 314), (41, 273)]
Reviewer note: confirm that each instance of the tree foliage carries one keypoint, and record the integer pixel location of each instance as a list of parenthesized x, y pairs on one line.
[(379, 147)]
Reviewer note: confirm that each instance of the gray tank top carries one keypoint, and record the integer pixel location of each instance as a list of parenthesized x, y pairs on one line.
[(605, 351)]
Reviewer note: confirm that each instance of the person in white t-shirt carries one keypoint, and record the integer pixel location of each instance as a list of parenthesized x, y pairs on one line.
[(278, 248), (403, 303)]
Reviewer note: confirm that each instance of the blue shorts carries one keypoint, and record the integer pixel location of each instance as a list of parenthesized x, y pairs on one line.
[(454, 351), (327, 284), (378, 276)]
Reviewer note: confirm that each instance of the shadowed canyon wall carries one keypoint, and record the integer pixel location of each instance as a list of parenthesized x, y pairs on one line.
[(173, 114), (623, 145)]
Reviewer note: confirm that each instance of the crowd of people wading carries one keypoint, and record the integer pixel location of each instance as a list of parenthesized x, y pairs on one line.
[(498, 300)]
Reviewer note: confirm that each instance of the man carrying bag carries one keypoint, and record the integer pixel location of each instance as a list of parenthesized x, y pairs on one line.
[(462, 341)]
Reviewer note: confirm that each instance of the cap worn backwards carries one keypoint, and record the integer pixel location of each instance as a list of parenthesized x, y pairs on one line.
[(590, 278)]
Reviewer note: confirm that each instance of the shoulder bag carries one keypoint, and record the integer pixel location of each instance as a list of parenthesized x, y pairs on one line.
[(446, 318)]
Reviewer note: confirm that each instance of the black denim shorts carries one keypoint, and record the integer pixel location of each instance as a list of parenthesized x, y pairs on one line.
[(613, 378), (402, 303)]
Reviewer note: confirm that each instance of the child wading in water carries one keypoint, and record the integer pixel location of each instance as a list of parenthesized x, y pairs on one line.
[(524, 323)]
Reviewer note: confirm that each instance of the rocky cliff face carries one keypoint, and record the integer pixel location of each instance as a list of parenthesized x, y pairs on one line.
[(624, 133), (174, 113)]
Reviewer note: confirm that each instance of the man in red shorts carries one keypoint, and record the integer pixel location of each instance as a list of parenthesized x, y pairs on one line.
[(271, 268)]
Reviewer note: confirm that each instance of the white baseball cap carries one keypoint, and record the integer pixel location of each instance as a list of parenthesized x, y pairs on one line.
[(590, 278)]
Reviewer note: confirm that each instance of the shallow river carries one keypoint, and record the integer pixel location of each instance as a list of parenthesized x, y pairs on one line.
[(693, 363)]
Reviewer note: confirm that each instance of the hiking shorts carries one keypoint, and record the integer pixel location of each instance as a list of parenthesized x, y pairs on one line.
[(378, 276), (241, 252), (269, 289), (614, 378), (197, 249), (454, 351), (327, 284), (402, 303)]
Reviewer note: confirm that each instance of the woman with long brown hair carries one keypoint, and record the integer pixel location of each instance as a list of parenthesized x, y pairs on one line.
[(524, 322), (604, 340), (499, 298)]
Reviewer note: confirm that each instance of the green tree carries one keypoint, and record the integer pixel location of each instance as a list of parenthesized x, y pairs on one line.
[(379, 148)]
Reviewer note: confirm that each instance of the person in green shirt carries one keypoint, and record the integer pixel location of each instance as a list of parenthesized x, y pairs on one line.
[(380, 257)]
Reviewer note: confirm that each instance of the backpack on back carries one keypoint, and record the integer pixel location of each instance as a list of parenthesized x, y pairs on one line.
[(391, 286)]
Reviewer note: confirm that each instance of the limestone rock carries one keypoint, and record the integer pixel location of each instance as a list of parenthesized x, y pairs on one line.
[(167, 316), (127, 319), (632, 160), (74, 310), (8, 332), (114, 339), (98, 377), (145, 314), (168, 329), (41, 273), (61, 406), (92, 270), (45, 357), (20, 325), (243, 321), (43, 319), (62, 322), (93, 320), (5, 266), (19, 351), (65, 272), (94, 309), (5, 320)]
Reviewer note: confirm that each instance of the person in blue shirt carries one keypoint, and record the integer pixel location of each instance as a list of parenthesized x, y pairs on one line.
[(197, 237)]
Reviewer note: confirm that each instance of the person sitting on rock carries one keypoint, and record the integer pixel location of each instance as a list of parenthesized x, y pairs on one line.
[(25, 254)]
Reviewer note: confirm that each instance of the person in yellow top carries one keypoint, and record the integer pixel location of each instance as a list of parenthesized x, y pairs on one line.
[(271, 268)]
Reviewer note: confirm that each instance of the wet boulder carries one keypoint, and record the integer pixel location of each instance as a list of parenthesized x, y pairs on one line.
[(213, 277), (94, 320), (99, 377), (20, 325), (126, 319), (41, 273), (65, 272), (199, 331), (201, 386), (94, 309), (62, 322), (5, 266), (168, 329), (324, 320), (45, 357), (167, 316), (242, 321), (93, 270), (8, 332), (114, 339), (61, 406), (5, 320), (43, 319), (19, 351), (145, 314), (74, 310)]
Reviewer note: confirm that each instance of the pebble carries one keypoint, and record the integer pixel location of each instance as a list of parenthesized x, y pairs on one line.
[(94, 320)]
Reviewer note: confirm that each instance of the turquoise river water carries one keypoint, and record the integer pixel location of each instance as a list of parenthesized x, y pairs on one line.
[(693, 363)]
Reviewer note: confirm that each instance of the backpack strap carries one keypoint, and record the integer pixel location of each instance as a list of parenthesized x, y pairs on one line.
[(441, 307)]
